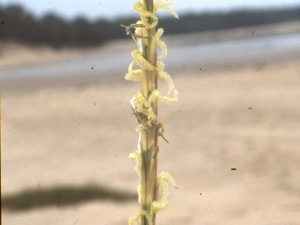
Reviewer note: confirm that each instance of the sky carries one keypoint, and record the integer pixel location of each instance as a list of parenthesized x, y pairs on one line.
[(110, 9)]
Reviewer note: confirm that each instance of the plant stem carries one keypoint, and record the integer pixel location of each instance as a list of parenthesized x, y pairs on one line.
[(149, 137)]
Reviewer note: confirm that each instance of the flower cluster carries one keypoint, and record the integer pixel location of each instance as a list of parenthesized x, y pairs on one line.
[(139, 103)]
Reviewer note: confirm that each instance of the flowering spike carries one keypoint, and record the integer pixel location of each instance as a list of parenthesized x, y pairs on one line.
[(137, 218), (134, 75), (137, 157), (168, 99), (138, 57), (163, 186), (162, 74), (160, 43), (138, 30), (141, 127), (139, 8), (144, 106), (163, 4)]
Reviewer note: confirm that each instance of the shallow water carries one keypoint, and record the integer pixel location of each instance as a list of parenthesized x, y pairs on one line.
[(238, 50)]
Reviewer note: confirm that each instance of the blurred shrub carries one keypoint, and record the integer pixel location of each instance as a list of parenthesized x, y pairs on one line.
[(62, 196)]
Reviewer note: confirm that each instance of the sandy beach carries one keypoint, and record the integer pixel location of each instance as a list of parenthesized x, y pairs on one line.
[(234, 145)]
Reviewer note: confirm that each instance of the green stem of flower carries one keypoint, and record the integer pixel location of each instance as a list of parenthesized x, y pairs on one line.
[(149, 137)]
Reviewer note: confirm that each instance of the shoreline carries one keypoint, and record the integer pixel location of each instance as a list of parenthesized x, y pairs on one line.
[(236, 33), (117, 77), (16, 55), (17, 86)]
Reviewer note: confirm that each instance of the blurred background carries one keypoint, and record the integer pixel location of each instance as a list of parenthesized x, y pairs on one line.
[(67, 126)]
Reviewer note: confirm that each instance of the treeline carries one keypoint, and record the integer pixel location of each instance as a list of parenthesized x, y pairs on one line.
[(234, 19), (19, 25)]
